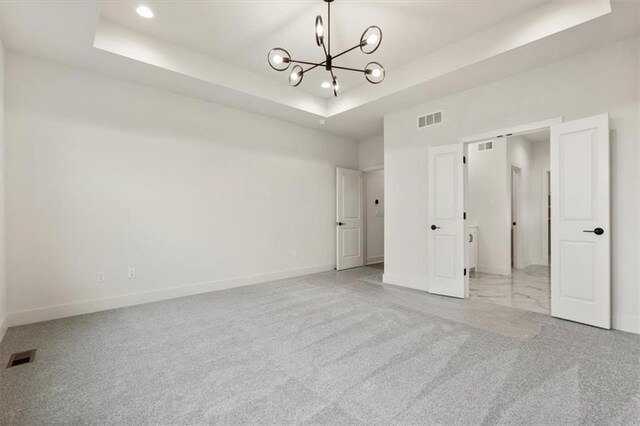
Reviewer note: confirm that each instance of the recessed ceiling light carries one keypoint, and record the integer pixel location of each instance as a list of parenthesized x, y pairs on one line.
[(144, 11), (326, 85)]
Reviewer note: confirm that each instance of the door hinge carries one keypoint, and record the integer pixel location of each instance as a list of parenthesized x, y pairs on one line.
[(465, 272), (464, 159), (464, 215)]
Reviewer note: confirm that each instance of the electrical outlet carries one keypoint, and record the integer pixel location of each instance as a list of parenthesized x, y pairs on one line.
[(295, 254), (131, 273), (102, 276)]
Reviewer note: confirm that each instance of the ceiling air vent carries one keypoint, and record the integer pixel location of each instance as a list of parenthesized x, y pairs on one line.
[(485, 146), (429, 119)]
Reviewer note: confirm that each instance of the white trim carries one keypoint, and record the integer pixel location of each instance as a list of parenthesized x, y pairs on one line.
[(404, 281), (496, 270), (539, 262), (514, 130), (626, 323), (96, 305), (3, 328), (518, 260), (373, 168), (369, 260)]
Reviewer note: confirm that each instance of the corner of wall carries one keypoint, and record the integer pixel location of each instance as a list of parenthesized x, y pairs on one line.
[(637, 320), (3, 328)]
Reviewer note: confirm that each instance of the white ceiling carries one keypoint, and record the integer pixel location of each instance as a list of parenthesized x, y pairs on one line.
[(216, 50), (539, 136), (241, 32)]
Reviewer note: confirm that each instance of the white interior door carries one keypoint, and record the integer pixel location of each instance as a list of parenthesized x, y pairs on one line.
[(447, 270), (349, 219), (580, 231)]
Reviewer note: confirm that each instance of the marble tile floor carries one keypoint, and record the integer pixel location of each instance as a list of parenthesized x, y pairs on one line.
[(528, 289)]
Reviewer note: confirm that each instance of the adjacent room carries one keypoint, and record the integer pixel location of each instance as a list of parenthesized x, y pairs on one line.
[(509, 221), (322, 212)]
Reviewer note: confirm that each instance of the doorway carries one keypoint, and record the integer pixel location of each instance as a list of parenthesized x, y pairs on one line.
[(360, 218), (374, 217), (580, 241), (506, 228)]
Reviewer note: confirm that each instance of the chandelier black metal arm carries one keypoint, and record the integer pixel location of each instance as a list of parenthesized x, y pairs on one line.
[(347, 51), (280, 60), (348, 69), (295, 61)]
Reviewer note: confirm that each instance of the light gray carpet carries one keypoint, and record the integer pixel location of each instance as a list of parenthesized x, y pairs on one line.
[(323, 349)]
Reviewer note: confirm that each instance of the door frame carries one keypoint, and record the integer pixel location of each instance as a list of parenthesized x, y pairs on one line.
[(515, 204), (512, 131), (506, 132), (366, 170), (546, 214)]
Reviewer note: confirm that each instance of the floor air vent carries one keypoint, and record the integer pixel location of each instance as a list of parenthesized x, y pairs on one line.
[(20, 358)]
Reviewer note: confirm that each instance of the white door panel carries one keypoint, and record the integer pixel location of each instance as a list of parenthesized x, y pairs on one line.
[(580, 231), (446, 224), (349, 219)]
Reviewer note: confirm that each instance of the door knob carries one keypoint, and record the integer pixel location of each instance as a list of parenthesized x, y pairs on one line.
[(433, 227), (597, 231), (340, 223)]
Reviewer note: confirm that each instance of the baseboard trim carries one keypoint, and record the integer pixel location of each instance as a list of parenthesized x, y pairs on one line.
[(375, 259), (96, 305), (498, 270), (404, 281), (626, 323), (540, 262)]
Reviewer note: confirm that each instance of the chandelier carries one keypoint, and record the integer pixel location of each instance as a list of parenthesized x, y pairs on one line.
[(280, 60)]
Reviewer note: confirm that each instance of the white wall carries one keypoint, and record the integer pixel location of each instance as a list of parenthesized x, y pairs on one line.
[(488, 206), (489, 202), (604, 80), (104, 175), (371, 152), (374, 190), (539, 225), (3, 289)]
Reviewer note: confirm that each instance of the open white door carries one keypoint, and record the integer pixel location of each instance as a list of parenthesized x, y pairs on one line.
[(580, 231), (447, 270), (349, 219)]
